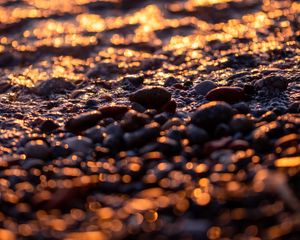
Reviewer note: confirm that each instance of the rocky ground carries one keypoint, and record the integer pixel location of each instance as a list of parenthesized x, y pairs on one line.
[(129, 119)]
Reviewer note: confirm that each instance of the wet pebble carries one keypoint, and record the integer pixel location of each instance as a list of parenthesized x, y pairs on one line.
[(270, 83), (113, 111), (242, 107), (241, 123), (170, 81), (48, 126), (226, 94), (133, 80), (196, 135), (32, 163), (151, 97), (204, 87), (209, 115), (79, 144), (83, 121), (95, 133), (37, 149), (53, 86), (142, 136), (268, 116)]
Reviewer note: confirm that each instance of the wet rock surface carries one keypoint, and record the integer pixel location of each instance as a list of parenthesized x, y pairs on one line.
[(150, 119)]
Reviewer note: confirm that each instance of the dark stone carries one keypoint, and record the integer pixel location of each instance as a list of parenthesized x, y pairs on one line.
[(95, 133), (152, 97), (134, 80), (37, 149), (204, 87), (113, 111), (79, 144), (242, 107), (241, 123), (170, 81), (268, 116), (209, 115), (168, 146), (226, 94), (142, 136), (196, 135), (48, 126), (169, 107), (53, 86), (83, 121), (271, 83)]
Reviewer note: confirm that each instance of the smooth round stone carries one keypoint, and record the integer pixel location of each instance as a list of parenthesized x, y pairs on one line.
[(278, 83), (79, 144), (204, 87), (113, 111), (53, 86), (37, 149), (48, 126), (134, 80), (240, 123), (151, 97), (226, 94), (196, 135), (242, 107), (209, 115), (83, 121)]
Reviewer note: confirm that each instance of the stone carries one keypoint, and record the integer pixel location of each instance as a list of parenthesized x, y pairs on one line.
[(83, 121), (37, 149), (53, 86), (151, 97), (79, 144), (226, 94), (270, 83), (209, 115), (204, 87)]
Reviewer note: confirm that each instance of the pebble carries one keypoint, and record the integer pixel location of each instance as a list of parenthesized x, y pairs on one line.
[(134, 120), (242, 107), (270, 83), (48, 126), (79, 144), (95, 133), (196, 135), (134, 80), (262, 136), (32, 163), (241, 123), (209, 115), (226, 94), (268, 116), (168, 146), (53, 86), (204, 87), (37, 149), (170, 81), (113, 111), (169, 107), (83, 121), (151, 97), (142, 136)]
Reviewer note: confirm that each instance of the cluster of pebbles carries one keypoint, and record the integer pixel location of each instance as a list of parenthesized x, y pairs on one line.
[(115, 137)]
